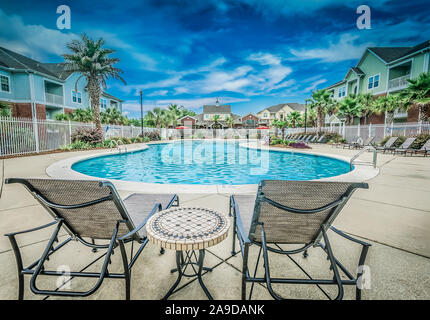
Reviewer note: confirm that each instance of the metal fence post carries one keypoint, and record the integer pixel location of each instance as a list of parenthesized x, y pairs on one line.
[(358, 130)]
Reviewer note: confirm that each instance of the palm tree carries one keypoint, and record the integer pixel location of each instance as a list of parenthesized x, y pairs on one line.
[(321, 102), (418, 92), (157, 115), (275, 123), (89, 58), (389, 104), (175, 109), (82, 115), (112, 116), (366, 101), (230, 122), (350, 108), (294, 118), (216, 120), (282, 125), (4, 109)]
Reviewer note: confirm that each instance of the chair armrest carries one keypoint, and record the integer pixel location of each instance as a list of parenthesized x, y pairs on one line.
[(239, 224), (140, 226), (349, 237), (11, 234)]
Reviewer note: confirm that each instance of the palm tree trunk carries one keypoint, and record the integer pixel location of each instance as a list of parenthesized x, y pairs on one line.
[(422, 112), (95, 93), (390, 117), (319, 116)]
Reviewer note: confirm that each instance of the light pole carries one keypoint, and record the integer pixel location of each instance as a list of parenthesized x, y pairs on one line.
[(141, 112), (306, 114)]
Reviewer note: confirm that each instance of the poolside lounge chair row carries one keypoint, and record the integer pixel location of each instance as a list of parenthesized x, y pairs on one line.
[(311, 138), (405, 148)]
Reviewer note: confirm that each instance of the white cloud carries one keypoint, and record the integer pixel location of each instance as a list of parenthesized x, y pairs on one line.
[(158, 93), (34, 41), (314, 85), (343, 49)]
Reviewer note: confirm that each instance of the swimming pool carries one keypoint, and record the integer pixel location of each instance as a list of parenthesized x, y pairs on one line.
[(210, 163)]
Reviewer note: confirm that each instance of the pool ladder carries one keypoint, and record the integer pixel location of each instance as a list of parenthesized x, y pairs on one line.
[(118, 147), (366, 148)]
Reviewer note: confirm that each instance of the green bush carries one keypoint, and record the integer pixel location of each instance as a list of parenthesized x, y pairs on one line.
[(333, 137), (84, 134), (78, 145)]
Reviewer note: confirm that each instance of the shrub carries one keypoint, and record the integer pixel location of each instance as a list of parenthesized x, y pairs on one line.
[(299, 145), (153, 136), (126, 140), (77, 145), (89, 135), (334, 137)]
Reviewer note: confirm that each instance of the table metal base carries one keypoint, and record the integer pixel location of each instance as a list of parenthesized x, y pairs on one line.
[(189, 259)]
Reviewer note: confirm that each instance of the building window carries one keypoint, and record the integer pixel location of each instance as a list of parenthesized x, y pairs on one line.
[(342, 91), (373, 82), (206, 116), (265, 115), (76, 97), (5, 84), (103, 103)]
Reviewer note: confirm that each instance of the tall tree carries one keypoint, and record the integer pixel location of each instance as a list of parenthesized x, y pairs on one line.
[(388, 105), (321, 102), (282, 125), (418, 93), (366, 101), (157, 115), (349, 107), (230, 121), (89, 58), (294, 118)]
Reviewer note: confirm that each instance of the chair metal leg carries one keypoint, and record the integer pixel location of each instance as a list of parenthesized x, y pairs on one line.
[(361, 262), (19, 266), (244, 269), (233, 248), (126, 270)]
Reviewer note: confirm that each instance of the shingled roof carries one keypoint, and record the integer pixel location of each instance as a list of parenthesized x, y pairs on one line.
[(389, 54), (217, 109), (293, 105), (11, 59), (59, 69)]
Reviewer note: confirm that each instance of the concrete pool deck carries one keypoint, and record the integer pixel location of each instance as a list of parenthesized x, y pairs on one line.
[(393, 215)]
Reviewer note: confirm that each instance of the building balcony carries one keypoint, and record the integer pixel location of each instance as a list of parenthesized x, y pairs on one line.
[(398, 83), (53, 98)]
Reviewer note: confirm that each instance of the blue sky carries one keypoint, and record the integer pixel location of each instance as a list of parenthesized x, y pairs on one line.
[(250, 53)]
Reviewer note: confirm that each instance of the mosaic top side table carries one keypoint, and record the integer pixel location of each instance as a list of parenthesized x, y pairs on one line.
[(187, 230)]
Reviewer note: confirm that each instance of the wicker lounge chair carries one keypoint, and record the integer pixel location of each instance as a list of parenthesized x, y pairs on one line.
[(88, 211), (314, 139), (388, 145), (292, 212), (321, 139), (405, 146), (424, 150), (354, 144)]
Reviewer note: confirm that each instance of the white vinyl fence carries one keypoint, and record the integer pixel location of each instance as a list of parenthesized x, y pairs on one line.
[(25, 136)]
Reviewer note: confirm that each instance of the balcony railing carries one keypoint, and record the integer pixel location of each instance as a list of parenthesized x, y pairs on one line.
[(399, 82), (53, 98)]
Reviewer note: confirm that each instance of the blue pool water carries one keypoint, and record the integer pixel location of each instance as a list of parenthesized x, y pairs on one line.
[(209, 163)]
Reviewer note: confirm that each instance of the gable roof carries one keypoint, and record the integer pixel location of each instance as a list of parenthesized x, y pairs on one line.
[(107, 95), (217, 109), (59, 69), (11, 59), (293, 105), (389, 54)]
